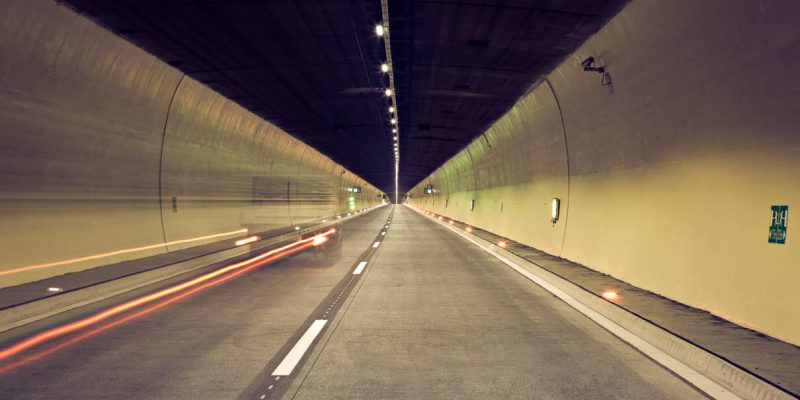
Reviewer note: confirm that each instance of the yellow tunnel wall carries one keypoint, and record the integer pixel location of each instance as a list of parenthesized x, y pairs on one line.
[(667, 183), (98, 138)]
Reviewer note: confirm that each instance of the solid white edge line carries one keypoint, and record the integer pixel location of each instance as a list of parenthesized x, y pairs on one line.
[(296, 354), (375, 245), (703, 383), (360, 268)]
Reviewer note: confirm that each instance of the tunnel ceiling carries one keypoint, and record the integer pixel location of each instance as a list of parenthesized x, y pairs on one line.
[(312, 67)]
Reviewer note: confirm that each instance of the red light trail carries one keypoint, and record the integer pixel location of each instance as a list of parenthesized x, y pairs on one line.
[(239, 268)]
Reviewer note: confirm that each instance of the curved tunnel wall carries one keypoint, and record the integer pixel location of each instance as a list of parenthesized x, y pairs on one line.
[(668, 182), (104, 147)]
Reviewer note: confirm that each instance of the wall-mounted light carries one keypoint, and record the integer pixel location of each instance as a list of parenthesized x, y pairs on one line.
[(242, 242), (555, 209), (610, 295), (384, 67), (391, 109), (379, 30), (429, 189)]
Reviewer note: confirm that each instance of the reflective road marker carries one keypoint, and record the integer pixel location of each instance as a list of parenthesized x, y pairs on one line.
[(375, 246)]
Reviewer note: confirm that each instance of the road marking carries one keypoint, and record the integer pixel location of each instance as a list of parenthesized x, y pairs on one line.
[(376, 244), (360, 268), (697, 379), (383, 233), (286, 366)]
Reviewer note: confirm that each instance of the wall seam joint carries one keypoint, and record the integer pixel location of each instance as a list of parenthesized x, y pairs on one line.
[(566, 155), (161, 160)]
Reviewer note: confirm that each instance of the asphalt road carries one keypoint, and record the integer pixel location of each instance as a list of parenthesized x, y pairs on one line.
[(429, 316)]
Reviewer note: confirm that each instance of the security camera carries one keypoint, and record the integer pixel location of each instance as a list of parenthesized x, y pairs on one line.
[(588, 65)]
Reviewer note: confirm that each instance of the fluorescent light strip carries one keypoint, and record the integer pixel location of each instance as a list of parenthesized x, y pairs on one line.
[(388, 47), (116, 252)]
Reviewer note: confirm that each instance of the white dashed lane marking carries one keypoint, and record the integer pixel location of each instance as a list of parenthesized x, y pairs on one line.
[(360, 268), (296, 354), (286, 366)]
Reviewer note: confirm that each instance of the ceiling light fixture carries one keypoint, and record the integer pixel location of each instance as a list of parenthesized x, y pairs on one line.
[(383, 30)]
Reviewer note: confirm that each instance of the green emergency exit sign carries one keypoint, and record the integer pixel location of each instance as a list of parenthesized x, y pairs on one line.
[(777, 227)]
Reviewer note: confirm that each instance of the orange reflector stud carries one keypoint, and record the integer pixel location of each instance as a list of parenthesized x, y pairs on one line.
[(610, 295), (247, 240), (469, 229), (502, 244)]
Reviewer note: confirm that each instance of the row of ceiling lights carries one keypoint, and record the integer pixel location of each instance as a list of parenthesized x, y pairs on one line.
[(381, 30)]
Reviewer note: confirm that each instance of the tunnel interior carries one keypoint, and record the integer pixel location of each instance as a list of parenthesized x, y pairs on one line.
[(644, 152)]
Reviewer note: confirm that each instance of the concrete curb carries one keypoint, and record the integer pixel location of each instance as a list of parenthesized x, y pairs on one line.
[(23, 314), (732, 378)]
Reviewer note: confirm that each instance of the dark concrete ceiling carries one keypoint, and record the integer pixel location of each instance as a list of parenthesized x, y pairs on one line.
[(312, 67)]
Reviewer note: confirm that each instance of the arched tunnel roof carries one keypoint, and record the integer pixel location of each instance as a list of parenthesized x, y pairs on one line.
[(312, 67)]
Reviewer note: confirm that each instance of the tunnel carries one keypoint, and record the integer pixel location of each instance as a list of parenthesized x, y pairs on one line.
[(399, 199)]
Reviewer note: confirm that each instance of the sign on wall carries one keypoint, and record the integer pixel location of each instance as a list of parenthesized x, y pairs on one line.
[(777, 227)]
